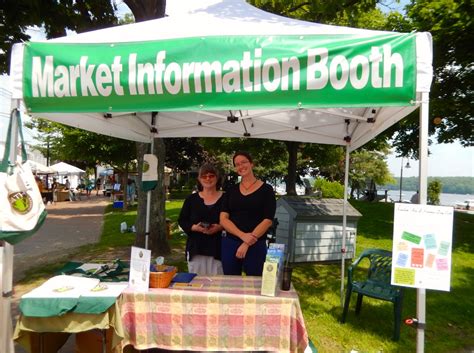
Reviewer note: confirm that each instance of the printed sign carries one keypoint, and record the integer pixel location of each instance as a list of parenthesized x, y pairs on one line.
[(422, 243), (150, 172), (278, 71), (139, 269)]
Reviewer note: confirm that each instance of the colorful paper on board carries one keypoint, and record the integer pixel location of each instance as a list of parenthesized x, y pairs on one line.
[(411, 238), (422, 244)]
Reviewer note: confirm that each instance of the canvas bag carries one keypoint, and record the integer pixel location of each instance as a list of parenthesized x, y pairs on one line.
[(22, 211)]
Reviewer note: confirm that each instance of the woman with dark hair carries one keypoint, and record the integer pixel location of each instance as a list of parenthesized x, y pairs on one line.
[(199, 218), (248, 210)]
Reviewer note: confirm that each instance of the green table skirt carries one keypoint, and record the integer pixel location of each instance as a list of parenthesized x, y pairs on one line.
[(55, 330)]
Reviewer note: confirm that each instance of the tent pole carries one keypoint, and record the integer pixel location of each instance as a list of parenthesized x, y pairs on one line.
[(6, 286), (423, 187), (344, 223), (148, 205), (6, 266)]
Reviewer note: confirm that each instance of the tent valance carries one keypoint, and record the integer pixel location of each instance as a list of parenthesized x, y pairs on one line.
[(221, 72)]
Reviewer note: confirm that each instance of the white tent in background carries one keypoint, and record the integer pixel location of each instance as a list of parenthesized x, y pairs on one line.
[(38, 168), (62, 168), (223, 68)]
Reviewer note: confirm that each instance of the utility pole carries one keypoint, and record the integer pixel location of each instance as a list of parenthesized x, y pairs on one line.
[(401, 177)]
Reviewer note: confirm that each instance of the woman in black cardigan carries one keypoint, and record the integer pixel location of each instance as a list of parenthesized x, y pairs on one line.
[(199, 218)]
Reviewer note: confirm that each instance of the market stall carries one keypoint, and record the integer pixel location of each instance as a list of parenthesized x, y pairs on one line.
[(226, 69)]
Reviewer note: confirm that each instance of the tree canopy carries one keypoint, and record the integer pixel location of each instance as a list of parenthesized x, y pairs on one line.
[(54, 16), (451, 24)]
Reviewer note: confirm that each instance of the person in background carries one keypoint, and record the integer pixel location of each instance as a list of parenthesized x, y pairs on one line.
[(248, 209), (72, 195), (199, 219), (416, 197), (39, 183), (131, 191), (89, 186), (97, 186), (54, 189)]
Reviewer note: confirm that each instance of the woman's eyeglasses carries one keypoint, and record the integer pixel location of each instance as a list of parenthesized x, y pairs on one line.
[(208, 176), (241, 163)]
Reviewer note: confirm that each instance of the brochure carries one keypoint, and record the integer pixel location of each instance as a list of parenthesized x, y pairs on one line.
[(139, 269), (272, 269)]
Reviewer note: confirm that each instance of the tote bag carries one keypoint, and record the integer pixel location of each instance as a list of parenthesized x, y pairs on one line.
[(22, 211)]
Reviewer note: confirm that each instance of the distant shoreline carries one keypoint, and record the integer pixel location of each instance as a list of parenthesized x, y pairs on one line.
[(460, 185)]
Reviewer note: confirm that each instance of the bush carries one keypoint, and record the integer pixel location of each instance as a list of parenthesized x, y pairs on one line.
[(434, 190), (329, 189), (179, 194)]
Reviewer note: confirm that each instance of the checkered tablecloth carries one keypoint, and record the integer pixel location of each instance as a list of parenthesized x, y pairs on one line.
[(226, 314)]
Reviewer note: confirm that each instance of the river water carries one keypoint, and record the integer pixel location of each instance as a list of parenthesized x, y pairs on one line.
[(445, 199), (394, 195)]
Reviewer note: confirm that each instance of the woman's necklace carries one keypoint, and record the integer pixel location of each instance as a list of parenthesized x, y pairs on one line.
[(246, 188)]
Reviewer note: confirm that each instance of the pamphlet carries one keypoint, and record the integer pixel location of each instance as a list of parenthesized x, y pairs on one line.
[(269, 279), (63, 286), (139, 269), (182, 285), (272, 269)]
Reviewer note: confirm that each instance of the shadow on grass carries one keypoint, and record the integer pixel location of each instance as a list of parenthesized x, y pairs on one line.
[(319, 285), (463, 232), (377, 219), (449, 314)]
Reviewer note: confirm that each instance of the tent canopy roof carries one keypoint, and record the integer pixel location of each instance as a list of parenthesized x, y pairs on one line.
[(40, 168), (63, 168), (199, 33)]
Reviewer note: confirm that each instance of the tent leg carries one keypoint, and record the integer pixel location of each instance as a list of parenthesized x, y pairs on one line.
[(148, 194), (423, 197), (147, 221), (344, 223), (6, 280), (6, 265)]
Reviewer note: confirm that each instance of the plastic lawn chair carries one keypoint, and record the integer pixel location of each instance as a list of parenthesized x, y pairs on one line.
[(375, 285)]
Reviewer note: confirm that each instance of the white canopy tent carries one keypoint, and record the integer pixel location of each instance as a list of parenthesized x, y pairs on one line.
[(308, 117), (63, 168), (38, 168), (222, 68)]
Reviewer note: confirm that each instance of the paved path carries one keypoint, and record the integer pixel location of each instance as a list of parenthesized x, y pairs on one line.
[(68, 226)]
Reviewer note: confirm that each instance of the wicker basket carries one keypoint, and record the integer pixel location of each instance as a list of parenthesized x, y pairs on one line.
[(162, 278)]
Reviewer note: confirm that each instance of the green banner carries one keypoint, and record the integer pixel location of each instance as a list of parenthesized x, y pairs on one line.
[(213, 73)]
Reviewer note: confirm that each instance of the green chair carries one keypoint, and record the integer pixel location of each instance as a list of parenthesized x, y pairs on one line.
[(375, 285)]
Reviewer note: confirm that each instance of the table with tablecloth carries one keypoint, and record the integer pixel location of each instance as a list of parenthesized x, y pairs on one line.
[(68, 304), (52, 332), (226, 314)]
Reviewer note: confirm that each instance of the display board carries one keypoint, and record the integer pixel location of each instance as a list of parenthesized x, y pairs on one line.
[(422, 243)]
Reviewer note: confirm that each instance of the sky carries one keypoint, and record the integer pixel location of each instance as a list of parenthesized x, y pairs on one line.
[(444, 160)]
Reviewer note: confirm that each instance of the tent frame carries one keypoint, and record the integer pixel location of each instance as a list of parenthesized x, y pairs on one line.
[(362, 125)]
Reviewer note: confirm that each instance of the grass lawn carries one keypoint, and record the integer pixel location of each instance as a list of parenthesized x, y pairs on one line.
[(450, 315)]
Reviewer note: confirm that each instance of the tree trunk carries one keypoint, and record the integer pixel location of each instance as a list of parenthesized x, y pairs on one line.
[(144, 10), (125, 187), (292, 159), (157, 238)]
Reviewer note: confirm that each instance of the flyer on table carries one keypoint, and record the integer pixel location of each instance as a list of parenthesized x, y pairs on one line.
[(422, 244), (139, 269)]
